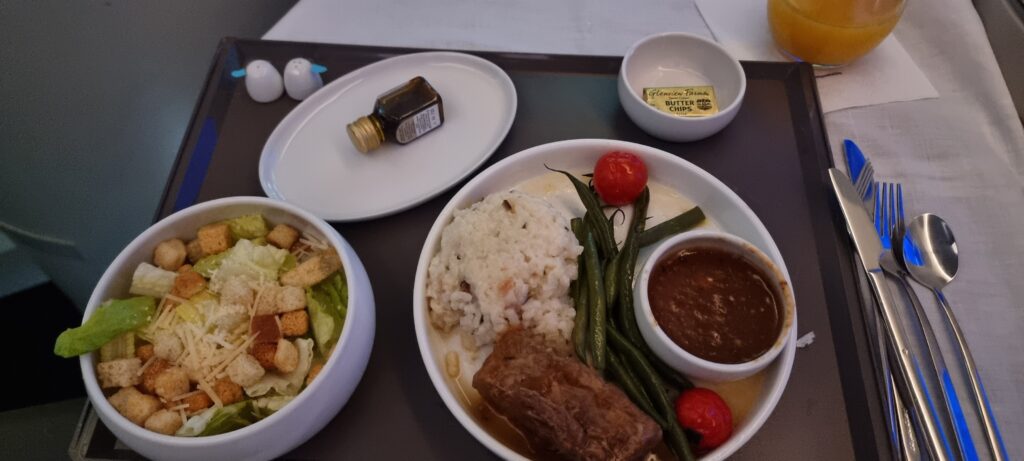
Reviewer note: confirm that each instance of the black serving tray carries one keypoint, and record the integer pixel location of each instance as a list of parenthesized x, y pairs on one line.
[(774, 155)]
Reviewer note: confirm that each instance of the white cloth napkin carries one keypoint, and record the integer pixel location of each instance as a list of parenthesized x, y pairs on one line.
[(886, 74)]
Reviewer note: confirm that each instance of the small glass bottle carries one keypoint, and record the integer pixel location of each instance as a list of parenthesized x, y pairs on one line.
[(401, 115)]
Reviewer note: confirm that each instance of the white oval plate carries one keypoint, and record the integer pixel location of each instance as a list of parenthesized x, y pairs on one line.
[(722, 206), (310, 162)]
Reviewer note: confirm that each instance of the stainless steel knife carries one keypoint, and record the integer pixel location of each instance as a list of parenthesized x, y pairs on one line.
[(869, 247)]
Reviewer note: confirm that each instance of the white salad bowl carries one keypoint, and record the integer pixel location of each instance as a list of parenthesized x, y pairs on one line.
[(679, 59), (724, 209), (681, 359), (311, 409)]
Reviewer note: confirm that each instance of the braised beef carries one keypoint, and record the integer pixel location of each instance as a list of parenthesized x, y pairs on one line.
[(561, 404)]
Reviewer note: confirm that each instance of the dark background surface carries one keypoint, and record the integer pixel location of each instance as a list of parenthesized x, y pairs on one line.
[(95, 96), (773, 155)]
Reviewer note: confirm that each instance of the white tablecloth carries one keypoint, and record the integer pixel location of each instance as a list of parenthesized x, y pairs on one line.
[(960, 156)]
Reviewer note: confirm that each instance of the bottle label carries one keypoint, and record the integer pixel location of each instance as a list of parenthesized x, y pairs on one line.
[(683, 101), (418, 125)]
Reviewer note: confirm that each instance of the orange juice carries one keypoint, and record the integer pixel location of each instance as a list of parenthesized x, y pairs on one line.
[(831, 32)]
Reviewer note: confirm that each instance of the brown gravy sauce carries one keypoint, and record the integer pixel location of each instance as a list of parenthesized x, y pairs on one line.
[(715, 304)]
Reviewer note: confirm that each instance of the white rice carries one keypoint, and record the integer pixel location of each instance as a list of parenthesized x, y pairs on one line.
[(505, 261)]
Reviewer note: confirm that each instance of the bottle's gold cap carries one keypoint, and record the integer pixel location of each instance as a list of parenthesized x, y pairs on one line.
[(365, 134)]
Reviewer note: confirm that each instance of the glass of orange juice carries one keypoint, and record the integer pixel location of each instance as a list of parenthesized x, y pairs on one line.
[(831, 32)]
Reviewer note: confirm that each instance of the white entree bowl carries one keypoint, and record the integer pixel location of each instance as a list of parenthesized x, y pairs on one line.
[(724, 209), (678, 357), (311, 409), (679, 59)]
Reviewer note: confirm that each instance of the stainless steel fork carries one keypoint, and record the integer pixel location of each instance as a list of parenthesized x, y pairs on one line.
[(901, 427), (889, 222)]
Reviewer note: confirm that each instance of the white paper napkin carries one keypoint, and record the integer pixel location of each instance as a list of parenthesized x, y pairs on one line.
[(886, 74)]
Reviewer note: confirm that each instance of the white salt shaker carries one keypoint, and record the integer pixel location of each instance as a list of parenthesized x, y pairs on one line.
[(262, 81), (302, 78)]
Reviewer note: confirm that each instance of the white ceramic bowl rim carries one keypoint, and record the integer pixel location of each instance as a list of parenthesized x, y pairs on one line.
[(96, 395), (771, 395), (722, 112), (776, 274)]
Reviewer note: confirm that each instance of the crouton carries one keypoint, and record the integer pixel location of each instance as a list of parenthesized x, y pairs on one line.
[(194, 250), (134, 405), (164, 422), (167, 346), (184, 268), (230, 316), (188, 284), (196, 403), (286, 358), (264, 353), (266, 300), (313, 270), (313, 372), (283, 236), (245, 370), (171, 383), (119, 373), (214, 238), (290, 299), (227, 391), (194, 374), (236, 291), (152, 371), (170, 254), (295, 323), (265, 328), (144, 352)]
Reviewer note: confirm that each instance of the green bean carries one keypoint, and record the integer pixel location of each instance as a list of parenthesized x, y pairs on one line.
[(598, 313), (630, 249), (580, 298), (579, 328), (576, 224), (682, 223), (631, 386), (651, 382), (595, 215), (611, 280)]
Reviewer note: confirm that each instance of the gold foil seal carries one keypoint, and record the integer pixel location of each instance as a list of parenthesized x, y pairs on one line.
[(683, 101)]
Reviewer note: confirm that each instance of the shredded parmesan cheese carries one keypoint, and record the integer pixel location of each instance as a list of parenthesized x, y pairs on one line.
[(209, 391), (235, 353), (314, 242), (146, 365), (185, 396)]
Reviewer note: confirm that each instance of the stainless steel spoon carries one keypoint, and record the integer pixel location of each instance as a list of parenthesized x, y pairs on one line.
[(931, 257)]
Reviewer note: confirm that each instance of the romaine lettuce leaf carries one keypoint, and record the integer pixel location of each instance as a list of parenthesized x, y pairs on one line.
[(251, 262), (196, 423), (327, 303), (266, 406), (250, 226), (149, 280), (209, 264), (229, 418), (121, 347), (106, 323), (289, 263), (215, 421)]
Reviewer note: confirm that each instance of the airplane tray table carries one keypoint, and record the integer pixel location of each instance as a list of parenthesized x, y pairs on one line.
[(774, 155)]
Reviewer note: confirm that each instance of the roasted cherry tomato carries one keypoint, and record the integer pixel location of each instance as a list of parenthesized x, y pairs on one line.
[(619, 178), (705, 413)]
